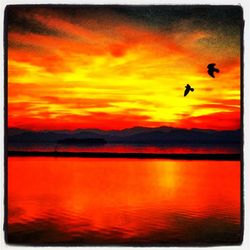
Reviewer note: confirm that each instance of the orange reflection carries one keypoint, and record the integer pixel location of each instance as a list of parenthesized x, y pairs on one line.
[(102, 194), (127, 148)]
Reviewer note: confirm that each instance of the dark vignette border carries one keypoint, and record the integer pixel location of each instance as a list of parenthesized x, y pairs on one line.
[(242, 208), (5, 42)]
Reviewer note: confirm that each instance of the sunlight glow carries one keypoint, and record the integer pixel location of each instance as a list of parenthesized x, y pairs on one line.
[(117, 67)]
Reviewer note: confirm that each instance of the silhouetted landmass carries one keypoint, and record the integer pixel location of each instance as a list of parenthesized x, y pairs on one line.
[(137, 135), (16, 131), (73, 141), (232, 157)]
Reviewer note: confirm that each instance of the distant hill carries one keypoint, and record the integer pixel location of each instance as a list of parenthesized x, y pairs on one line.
[(136, 135), (16, 131)]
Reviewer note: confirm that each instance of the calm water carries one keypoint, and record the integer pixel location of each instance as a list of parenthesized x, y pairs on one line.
[(126, 148), (122, 201)]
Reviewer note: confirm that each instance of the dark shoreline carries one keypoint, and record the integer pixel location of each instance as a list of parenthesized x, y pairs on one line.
[(230, 157)]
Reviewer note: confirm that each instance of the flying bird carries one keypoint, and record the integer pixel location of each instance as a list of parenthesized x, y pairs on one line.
[(212, 69), (188, 88)]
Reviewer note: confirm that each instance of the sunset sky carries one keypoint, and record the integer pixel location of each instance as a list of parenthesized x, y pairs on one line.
[(115, 67)]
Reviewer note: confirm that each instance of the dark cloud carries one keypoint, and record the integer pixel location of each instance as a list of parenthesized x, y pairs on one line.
[(18, 21), (226, 21), (153, 15), (164, 16), (21, 19), (22, 46)]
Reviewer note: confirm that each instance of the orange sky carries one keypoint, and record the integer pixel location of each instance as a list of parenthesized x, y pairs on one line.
[(114, 68)]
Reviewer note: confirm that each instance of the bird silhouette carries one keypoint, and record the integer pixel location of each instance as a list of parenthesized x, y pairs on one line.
[(212, 69), (188, 88)]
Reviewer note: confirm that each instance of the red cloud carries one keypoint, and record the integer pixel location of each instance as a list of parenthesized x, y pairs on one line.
[(93, 120), (218, 121)]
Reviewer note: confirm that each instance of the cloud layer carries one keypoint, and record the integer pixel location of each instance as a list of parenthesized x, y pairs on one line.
[(122, 66)]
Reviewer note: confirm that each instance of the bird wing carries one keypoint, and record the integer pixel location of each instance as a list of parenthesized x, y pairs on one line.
[(211, 65), (211, 72), (186, 91)]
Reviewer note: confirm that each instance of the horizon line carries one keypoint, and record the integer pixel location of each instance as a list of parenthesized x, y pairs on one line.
[(127, 128), (176, 156)]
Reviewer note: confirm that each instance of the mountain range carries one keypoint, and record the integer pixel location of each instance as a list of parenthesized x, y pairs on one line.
[(135, 135)]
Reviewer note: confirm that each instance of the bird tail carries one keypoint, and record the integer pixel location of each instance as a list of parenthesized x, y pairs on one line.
[(192, 89), (216, 70)]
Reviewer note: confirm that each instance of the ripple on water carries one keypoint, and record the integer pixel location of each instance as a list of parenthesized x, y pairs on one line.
[(89, 201)]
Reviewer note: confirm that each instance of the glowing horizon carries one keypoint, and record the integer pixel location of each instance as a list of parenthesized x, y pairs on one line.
[(119, 67)]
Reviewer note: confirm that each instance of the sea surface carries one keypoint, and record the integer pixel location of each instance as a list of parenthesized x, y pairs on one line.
[(128, 148), (88, 201)]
